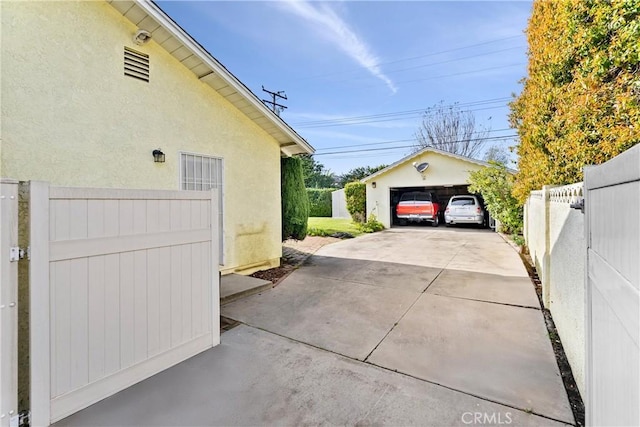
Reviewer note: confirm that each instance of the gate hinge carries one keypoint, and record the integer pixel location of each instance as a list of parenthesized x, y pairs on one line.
[(17, 253)]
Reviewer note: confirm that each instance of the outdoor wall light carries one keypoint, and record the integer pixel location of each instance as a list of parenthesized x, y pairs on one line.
[(158, 156), (141, 37), (373, 184)]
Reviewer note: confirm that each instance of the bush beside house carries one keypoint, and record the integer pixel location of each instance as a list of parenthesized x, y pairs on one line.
[(495, 184), (295, 202)]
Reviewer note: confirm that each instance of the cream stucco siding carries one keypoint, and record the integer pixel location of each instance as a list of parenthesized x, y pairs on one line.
[(443, 170), (71, 117)]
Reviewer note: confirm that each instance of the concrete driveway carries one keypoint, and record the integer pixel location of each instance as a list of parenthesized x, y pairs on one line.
[(412, 326), (452, 307)]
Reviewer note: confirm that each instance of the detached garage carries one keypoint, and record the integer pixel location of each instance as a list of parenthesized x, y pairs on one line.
[(430, 169)]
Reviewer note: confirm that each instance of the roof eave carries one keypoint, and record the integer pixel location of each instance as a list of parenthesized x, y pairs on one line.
[(285, 135), (433, 150)]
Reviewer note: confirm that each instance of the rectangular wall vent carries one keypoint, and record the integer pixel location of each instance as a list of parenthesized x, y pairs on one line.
[(136, 64)]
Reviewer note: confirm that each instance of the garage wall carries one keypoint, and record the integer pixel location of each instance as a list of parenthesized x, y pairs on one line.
[(443, 171)]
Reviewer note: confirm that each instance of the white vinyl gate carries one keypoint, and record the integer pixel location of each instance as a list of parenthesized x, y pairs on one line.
[(123, 285), (612, 230), (8, 302)]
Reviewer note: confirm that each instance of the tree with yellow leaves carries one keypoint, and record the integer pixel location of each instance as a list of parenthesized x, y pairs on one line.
[(580, 104)]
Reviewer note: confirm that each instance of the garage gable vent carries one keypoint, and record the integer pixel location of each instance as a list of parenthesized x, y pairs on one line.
[(136, 64)]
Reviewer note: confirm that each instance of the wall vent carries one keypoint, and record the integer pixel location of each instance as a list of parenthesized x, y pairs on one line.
[(136, 64)]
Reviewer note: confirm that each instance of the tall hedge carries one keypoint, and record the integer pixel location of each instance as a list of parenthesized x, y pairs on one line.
[(295, 203), (580, 103), (320, 201), (356, 196)]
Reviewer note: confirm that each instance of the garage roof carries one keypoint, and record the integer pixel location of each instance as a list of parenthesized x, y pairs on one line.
[(425, 150), (148, 16)]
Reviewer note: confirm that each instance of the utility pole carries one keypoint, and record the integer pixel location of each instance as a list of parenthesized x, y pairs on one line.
[(277, 108)]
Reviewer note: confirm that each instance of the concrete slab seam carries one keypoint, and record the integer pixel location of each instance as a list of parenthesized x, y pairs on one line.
[(393, 327), (435, 278), (524, 410), (444, 268), (488, 302), (339, 279)]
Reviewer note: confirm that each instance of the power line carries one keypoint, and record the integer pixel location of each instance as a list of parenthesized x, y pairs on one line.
[(495, 138), (399, 141), (405, 112), (462, 74), (444, 76), (394, 118), (448, 61), (412, 58)]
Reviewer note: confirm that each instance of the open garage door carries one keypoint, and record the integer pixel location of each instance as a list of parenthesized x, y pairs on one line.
[(443, 193)]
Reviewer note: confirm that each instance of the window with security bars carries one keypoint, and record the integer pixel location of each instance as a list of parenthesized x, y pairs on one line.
[(202, 173)]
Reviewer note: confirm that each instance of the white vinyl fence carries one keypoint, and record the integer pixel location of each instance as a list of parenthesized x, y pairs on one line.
[(554, 233), (123, 284), (612, 204), (339, 205), (8, 302)]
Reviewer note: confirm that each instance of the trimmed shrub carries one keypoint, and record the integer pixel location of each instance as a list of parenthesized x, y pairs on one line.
[(320, 201), (372, 225), (295, 203), (356, 196)]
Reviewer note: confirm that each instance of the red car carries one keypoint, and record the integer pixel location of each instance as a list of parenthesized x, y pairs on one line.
[(417, 206)]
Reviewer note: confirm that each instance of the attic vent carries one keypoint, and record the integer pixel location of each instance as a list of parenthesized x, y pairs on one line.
[(136, 64)]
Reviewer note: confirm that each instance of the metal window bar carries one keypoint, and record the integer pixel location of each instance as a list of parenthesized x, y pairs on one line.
[(202, 173)]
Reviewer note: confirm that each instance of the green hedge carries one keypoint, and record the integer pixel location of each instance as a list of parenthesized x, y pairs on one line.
[(356, 195), (320, 201), (295, 203)]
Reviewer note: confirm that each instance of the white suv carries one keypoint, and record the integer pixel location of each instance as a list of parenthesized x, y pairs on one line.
[(465, 209)]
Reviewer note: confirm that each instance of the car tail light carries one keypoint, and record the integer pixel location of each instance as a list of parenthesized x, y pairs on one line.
[(478, 209), (446, 210)]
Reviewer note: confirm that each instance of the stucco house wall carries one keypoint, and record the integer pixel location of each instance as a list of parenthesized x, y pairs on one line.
[(71, 117), (443, 170)]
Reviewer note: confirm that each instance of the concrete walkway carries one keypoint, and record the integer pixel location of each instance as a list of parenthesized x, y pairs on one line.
[(424, 326)]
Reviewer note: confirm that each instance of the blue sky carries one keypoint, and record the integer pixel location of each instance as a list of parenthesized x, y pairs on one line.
[(360, 72)]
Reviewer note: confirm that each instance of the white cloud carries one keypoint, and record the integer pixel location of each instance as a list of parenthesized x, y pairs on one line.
[(338, 32)]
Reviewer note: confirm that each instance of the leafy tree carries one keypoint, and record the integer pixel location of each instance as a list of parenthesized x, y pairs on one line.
[(448, 128), (295, 203), (580, 103), (315, 174), (497, 153), (495, 184), (357, 174), (356, 195)]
